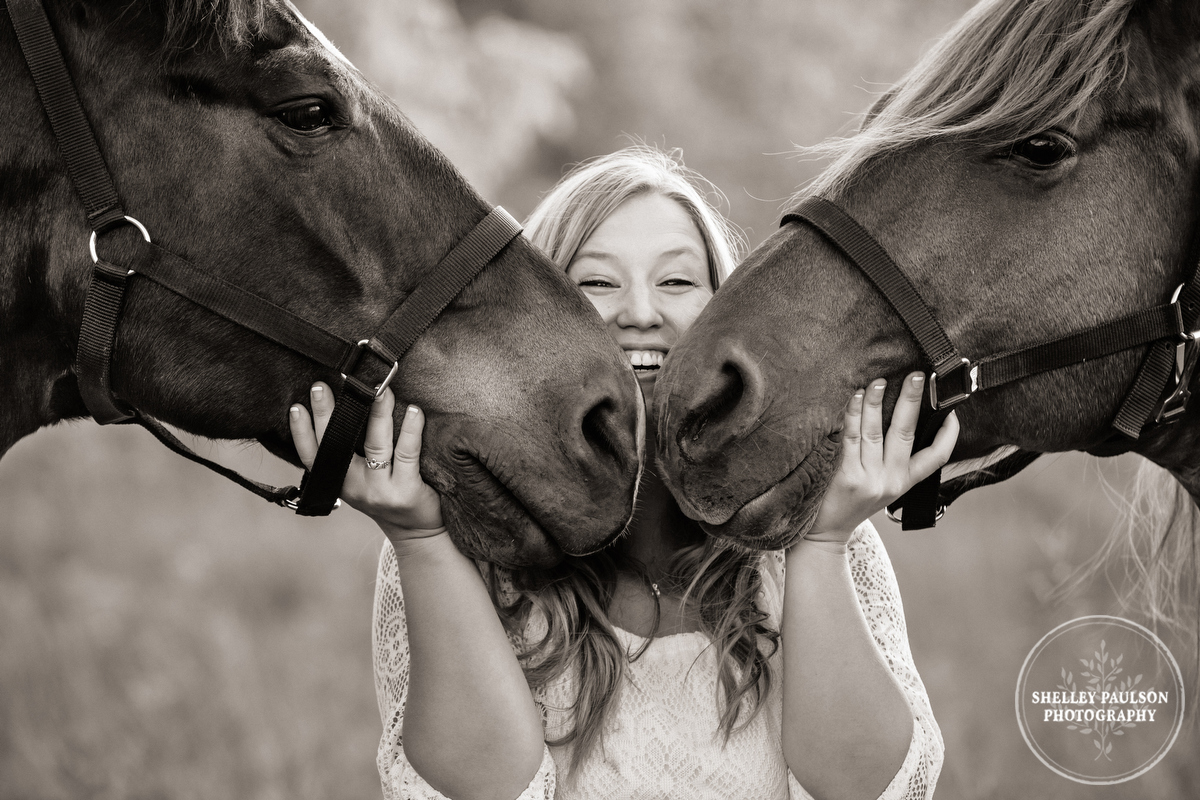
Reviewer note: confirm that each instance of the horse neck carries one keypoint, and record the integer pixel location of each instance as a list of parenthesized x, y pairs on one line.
[(37, 385), (42, 239)]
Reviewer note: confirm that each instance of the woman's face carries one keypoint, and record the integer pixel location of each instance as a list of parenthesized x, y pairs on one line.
[(645, 269)]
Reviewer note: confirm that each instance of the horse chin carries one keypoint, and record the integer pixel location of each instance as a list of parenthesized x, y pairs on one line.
[(781, 515), (281, 447), (521, 531), (521, 542)]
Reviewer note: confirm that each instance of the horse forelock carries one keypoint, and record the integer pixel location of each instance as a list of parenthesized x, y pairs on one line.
[(1008, 70), (194, 24), (234, 23)]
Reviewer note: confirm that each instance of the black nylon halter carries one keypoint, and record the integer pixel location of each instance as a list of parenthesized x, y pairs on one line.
[(318, 492), (1167, 368)]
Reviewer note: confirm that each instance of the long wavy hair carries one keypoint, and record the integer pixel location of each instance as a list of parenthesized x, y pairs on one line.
[(719, 580)]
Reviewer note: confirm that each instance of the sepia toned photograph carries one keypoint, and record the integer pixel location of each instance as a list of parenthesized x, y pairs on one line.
[(554, 399)]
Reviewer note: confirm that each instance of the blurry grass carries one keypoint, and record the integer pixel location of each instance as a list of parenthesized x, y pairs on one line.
[(165, 634), (979, 592)]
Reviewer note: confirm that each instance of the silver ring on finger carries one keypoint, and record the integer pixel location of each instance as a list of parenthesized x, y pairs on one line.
[(373, 464)]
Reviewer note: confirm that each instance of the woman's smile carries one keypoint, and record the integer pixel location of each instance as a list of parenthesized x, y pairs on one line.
[(645, 269), (646, 360)]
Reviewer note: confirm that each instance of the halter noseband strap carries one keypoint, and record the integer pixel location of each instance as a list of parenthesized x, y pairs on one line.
[(954, 378), (317, 494)]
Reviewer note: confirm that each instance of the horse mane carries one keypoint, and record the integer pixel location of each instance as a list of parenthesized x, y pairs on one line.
[(1156, 552), (1008, 70), (232, 24)]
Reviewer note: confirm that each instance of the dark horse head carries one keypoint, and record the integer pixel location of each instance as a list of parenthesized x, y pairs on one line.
[(248, 145), (1035, 175)]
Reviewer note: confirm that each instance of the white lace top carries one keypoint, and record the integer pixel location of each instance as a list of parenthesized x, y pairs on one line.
[(661, 740)]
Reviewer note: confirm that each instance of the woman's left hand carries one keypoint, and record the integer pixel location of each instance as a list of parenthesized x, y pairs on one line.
[(877, 468)]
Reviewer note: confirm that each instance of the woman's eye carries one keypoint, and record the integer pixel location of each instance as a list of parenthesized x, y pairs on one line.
[(1045, 150), (678, 282), (307, 118), (595, 282)]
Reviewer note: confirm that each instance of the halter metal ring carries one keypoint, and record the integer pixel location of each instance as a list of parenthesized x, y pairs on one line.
[(941, 512), (131, 221)]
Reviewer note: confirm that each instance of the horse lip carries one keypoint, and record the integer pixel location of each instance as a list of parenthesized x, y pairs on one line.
[(511, 495), (280, 446), (713, 523)]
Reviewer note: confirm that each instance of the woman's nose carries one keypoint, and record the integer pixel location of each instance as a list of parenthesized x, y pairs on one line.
[(639, 309)]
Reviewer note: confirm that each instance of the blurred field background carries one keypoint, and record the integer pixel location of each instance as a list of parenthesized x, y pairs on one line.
[(164, 634)]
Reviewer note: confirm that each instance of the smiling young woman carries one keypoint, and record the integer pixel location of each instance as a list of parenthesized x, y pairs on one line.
[(669, 664)]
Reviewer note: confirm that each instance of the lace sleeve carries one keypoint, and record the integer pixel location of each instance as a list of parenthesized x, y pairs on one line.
[(879, 598), (389, 637)]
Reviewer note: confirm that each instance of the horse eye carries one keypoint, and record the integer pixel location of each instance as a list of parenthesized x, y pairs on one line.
[(1044, 150), (307, 118)]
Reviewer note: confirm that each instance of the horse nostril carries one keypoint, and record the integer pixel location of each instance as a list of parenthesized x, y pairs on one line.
[(600, 429), (717, 406), (726, 407)]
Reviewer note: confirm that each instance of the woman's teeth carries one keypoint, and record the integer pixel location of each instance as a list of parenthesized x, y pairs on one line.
[(645, 359)]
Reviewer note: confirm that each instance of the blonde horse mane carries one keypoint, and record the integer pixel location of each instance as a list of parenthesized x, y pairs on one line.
[(1155, 549), (1008, 70)]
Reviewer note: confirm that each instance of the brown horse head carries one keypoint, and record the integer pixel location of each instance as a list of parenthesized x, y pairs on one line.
[(245, 143), (1035, 175)]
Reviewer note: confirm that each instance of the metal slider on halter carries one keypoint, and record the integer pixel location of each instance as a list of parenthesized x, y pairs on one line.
[(964, 384), (355, 356)]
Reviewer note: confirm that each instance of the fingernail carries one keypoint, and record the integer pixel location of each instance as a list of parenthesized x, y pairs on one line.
[(411, 412), (918, 380), (294, 412), (317, 391), (858, 395), (879, 386)]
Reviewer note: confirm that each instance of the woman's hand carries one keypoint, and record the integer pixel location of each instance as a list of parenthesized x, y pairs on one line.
[(395, 496), (876, 469)]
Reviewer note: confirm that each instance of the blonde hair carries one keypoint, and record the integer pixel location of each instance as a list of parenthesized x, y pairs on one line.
[(720, 580), (595, 188), (1008, 69), (1153, 552)]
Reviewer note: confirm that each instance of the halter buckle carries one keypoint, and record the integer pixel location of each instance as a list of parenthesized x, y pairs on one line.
[(355, 356), (1186, 352), (961, 387)]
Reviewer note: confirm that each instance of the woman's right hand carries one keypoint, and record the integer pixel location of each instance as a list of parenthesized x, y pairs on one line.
[(396, 497)]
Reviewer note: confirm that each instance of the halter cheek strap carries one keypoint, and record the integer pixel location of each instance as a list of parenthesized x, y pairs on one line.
[(318, 492), (953, 378)]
